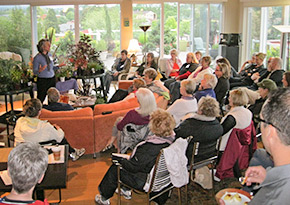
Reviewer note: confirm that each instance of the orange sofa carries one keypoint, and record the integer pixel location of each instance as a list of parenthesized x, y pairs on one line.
[(77, 125), (92, 129)]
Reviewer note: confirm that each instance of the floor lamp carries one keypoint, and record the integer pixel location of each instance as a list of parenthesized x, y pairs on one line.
[(145, 28)]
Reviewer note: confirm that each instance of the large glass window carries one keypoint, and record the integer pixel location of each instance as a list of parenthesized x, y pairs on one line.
[(15, 30), (215, 29), (170, 26), (273, 35), (102, 23), (185, 30), (254, 19), (57, 24), (147, 15)]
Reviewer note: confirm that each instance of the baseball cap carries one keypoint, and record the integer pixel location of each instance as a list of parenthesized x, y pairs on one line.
[(267, 83)]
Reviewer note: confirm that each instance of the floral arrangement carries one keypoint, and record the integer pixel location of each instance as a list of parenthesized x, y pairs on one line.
[(82, 53)]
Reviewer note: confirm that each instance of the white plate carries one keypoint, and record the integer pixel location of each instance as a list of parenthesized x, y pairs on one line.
[(233, 201)]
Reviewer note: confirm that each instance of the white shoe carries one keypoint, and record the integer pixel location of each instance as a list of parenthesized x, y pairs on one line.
[(127, 194), (77, 154), (99, 200), (215, 178)]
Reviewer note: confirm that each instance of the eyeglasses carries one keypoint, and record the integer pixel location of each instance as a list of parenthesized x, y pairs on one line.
[(258, 119)]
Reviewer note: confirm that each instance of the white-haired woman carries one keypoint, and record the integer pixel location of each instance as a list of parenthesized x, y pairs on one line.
[(206, 87), (138, 116), (186, 104), (173, 64), (136, 168)]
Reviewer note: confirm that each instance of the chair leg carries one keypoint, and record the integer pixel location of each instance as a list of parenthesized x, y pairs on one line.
[(148, 198), (119, 186), (186, 194), (179, 196)]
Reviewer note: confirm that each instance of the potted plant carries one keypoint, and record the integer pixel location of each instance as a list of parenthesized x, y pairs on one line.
[(64, 72), (81, 54)]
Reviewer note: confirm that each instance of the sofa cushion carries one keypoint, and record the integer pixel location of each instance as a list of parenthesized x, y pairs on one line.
[(116, 106), (84, 112)]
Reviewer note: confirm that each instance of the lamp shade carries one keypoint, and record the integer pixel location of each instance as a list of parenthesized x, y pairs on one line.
[(134, 46)]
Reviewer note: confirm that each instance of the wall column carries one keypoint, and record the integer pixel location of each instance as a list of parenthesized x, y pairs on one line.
[(126, 31)]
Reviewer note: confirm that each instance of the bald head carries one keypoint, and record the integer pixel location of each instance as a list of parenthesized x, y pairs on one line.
[(275, 64)]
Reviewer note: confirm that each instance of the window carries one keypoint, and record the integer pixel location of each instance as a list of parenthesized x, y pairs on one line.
[(15, 30), (102, 23), (254, 19), (215, 29), (170, 27), (273, 35), (147, 14), (57, 23)]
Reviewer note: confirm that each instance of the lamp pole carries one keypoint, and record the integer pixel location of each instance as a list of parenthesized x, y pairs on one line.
[(145, 28)]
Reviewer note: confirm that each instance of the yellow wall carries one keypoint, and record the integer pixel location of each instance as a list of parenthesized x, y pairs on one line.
[(126, 32), (232, 16)]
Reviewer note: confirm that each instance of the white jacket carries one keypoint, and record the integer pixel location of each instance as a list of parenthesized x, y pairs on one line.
[(176, 162), (29, 129)]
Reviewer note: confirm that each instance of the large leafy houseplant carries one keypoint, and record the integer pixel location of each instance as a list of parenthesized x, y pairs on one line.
[(82, 53)]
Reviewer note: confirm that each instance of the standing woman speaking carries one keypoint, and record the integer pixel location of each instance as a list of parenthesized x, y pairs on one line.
[(44, 69)]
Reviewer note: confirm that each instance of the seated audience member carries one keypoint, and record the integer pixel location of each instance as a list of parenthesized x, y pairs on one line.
[(121, 65), (150, 63), (173, 64), (238, 117), (286, 79), (122, 94), (206, 87), (198, 55), (135, 170), (186, 104), (137, 83), (203, 126), (276, 137), (31, 129), (185, 70), (53, 101), (26, 164), (196, 76), (233, 72), (222, 72), (138, 116), (265, 87), (156, 86), (246, 79), (274, 73), (247, 64)]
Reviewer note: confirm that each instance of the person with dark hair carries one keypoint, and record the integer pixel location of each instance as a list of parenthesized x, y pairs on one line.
[(150, 63), (27, 164), (43, 67), (121, 65), (274, 182), (31, 129), (286, 79), (136, 168), (265, 87), (53, 101)]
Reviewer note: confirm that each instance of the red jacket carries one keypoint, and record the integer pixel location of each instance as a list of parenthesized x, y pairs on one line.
[(241, 145)]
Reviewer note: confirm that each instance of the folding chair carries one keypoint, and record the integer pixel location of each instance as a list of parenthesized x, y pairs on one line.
[(209, 161), (160, 181)]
